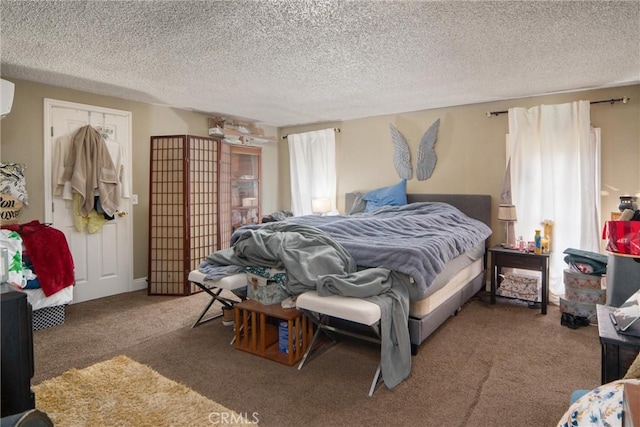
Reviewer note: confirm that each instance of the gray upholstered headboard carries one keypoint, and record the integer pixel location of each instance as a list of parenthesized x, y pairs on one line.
[(476, 206)]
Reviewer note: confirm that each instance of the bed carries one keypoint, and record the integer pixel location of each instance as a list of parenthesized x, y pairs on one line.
[(462, 276), (439, 286), (418, 261)]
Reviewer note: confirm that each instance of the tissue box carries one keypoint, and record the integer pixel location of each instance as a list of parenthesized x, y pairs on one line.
[(264, 291)]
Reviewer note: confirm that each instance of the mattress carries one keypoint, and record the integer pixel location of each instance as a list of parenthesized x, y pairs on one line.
[(421, 308), (456, 274)]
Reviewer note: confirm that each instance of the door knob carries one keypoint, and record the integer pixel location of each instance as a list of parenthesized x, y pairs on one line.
[(121, 213)]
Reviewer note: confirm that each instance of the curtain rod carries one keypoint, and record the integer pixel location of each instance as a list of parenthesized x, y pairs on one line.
[(337, 130), (610, 101)]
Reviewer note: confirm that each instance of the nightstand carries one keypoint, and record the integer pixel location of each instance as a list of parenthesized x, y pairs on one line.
[(511, 258)]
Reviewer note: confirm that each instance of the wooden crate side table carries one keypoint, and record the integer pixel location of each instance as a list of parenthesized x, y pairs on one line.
[(256, 333)]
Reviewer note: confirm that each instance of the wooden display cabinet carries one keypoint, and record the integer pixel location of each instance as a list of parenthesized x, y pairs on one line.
[(245, 185)]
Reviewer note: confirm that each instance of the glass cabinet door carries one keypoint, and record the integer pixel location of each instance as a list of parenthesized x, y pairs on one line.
[(245, 186)]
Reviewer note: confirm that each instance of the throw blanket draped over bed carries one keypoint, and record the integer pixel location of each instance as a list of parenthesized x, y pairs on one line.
[(390, 291), (304, 252), (315, 261)]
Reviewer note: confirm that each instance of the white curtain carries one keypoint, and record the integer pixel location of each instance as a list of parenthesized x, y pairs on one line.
[(312, 158), (555, 175)]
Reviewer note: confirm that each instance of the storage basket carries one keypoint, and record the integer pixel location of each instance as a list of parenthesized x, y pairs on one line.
[(581, 280), (520, 286), (622, 237), (580, 309), (48, 316), (585, 295)]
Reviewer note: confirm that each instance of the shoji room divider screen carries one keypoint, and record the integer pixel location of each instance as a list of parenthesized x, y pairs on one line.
[(189, 208)]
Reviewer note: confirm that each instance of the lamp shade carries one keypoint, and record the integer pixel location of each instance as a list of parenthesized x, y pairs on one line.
[(320, 205), (507, 213)]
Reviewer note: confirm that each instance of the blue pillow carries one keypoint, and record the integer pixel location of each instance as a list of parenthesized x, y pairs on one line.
[(395, 195)]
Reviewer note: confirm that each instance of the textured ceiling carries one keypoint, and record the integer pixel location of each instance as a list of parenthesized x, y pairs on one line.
[(296, 62)]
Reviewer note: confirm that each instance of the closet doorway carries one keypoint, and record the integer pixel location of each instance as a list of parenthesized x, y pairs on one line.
[(103, 259)]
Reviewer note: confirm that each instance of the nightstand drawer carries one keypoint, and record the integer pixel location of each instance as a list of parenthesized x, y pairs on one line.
[(518, 261)]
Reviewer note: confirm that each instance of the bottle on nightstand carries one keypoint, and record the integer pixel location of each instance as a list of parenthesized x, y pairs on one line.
[(538, 240)]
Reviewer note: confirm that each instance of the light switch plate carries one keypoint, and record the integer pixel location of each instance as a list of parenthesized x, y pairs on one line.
[(134, 199)]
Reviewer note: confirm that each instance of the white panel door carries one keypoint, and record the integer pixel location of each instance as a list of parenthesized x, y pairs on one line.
[(102, 260)]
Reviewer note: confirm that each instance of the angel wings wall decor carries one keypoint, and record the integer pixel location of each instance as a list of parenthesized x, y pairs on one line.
[(427, 153), (401, 154), (426, 162)]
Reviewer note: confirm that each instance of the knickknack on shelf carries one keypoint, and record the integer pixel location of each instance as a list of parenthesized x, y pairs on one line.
[(236, 132)]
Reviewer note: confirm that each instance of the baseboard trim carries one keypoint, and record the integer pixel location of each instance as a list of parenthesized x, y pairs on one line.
[(139, 284)]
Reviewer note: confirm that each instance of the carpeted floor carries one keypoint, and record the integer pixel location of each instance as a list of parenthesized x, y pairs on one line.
[(491, 365)]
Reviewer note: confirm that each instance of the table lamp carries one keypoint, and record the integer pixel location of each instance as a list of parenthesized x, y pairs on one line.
[(320, 206), (507, 213)]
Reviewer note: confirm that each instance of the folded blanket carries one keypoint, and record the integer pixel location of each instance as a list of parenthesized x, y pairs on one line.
[(596, 263), (47, 247)]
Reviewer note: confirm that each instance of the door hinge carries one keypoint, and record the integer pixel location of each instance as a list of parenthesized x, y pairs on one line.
[(53, 207), (52, 131)]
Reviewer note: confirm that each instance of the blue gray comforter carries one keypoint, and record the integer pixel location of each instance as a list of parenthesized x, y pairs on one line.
[(416, 239)]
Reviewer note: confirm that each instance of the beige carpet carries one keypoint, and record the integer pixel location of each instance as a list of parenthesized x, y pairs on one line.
[(122, 392), (490, 365)]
